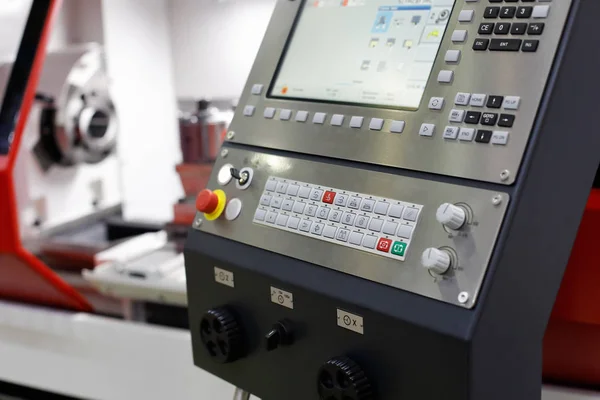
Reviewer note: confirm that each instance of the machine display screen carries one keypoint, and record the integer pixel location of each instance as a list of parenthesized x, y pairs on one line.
[(375, 52)]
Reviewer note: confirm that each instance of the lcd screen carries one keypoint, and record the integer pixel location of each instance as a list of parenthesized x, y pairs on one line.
[(369, 52)]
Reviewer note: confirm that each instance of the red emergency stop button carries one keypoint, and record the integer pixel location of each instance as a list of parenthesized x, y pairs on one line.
[(207, 201)]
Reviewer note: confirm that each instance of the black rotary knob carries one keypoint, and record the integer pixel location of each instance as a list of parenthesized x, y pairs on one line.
[(341, 378), (222, 335)]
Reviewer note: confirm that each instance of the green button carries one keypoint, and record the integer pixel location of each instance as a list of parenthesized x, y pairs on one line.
[(399, 248)]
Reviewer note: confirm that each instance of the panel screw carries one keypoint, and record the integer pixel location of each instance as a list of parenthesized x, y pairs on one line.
[(497, 200), (230, 135), (224, 153), (504, 175), (463, 297), (197, 222)]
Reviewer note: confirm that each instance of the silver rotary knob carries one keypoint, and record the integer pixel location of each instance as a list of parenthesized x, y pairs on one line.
[(451, 216), (436, 260)]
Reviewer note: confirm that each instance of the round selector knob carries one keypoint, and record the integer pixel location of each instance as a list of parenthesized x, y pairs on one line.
[(342, 378), (207, 201), (436, 260), (222, 335), (451, 216)]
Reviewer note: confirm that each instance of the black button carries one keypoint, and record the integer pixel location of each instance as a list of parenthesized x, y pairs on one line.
[(518, 28), (505, 44), (511, 1), (506, 120), (502, 28), (483, 136), (486, 28), (527, 1), (524, 12), (508, 12), (495, 1), (491, 12), (536, 29), (495, 101), (472, 117), (489, 119), (530, 46), (481, 44)]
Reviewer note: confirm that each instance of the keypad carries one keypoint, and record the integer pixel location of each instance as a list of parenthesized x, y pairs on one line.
[(369, 223)]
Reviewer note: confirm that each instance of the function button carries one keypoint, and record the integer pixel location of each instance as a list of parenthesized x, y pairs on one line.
[(356, 238), (304, 192), (459, 36), (342, 234), (348, 218), (396, 211), (293, 222), (341, 199), (354, 202), (282, 187), (502, 28), (436, 103), (495, 101), (257, 89), (362, 222), (524, 12), (466, 134), (302, 116), (411, 214), (328, 197), (530, 46), (287, 205), (369, 241), (451, 132), (466, 16), (367, 205), (390, 228), (249, 111), (491, 12), (511, 102), (399, 248), (376, 224), (265, 200), (269, 112), (356, 122), (445, 76), (540, 11), (311, 210), (397, 126), (427, 130), (508, 12), (457, 116), (317, 229), (282, 220), (478, 100), (276, 202), (305, 225), (486, 28), (536, 28), (285, 115), (316, 194), (405, 231), (319, 118), (462, 99), (293, 190), (500, 137), (506, 120), (452, 56), (259, 215), (299, 207), (483, 136), (376, 124), (381, 207), (335, 216), (472, 117), (518, 28), (384, 245), (505, 44), (337, 120), (323, 213), (481, 44), (271, 185), (329, 231), (271, 217), (489, 119)]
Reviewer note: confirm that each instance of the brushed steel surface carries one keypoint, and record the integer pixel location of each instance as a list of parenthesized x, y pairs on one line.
[(473, 245), (493, 73)]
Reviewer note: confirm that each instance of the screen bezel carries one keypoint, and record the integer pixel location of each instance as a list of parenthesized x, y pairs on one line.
[(288, 43)]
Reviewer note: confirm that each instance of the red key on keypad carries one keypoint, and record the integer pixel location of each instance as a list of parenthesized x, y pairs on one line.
[(328, 197), (384, 245)]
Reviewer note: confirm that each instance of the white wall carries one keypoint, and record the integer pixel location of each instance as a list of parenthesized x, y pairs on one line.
[(13, 15), (215, 43)]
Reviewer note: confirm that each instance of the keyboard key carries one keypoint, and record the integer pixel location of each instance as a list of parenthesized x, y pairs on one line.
[(287, 205), (305, 225), (411, 214), (293, 222), (260, 215), (281, 187), (329, 231), (530, 46), (342, 234), (341, 200), (502, 28), (486, 28), (491, 12), (316, 194), (376, 225), (381, 208), (356, 238), (472, 117), (282, 220), (323, 213), (518, 28), (354, 202), (489, 119), (481, 44), (396, 211), (362, 221), (317, 229), (505, 44), (265, 200), (483, 136), (293, 190), (271, 217), (304, 192), (508, 12), (367, 205), (369, 241), (495, 101), (348, 218), (524, 12), (328, 197), (384, 245), (271, 185), (405, 231), (506, 120), (276, 202), (299, 207), (390, 228), (311, 210), (536, 28), (335, 216)]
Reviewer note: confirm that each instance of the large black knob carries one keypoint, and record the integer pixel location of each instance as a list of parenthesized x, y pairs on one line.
[(222, 335), (341, 378)]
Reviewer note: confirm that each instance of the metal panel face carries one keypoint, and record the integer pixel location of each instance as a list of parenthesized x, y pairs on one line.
[(471, 246), (492, 73)]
